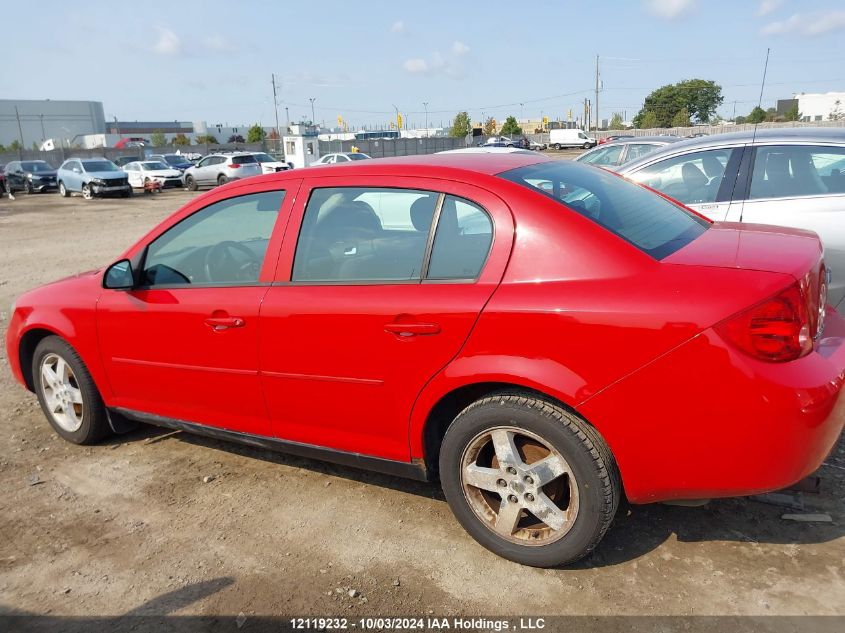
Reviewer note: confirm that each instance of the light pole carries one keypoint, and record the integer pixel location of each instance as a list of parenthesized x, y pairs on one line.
[(312, 100), (43, 134), (425, 105)]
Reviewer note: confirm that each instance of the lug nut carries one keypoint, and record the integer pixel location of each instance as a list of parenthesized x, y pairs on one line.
[(512, 498), (529, 496), (528, 480), (502, 483), (511, 470)]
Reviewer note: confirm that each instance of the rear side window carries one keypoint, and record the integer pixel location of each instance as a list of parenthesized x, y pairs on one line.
[(788, 171), (241, 160), (462, 240), (693, 178), (604, 156), (653, 224)]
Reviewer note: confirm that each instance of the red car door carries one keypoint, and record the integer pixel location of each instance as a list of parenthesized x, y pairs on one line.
[(183, 344), (355, 325)]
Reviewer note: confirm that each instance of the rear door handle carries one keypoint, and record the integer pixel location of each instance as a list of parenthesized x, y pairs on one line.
[(412, 329), (224, 323)]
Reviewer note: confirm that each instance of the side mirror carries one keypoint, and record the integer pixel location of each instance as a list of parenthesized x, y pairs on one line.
[(119, 276)]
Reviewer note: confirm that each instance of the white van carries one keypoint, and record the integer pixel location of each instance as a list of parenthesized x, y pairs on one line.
[(570, 138)]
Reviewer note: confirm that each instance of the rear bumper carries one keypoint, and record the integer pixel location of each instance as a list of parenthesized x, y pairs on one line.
[(707, 420)]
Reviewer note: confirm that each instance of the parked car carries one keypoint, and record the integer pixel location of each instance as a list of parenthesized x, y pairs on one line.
[(537, 146), (120, 161), (92, 177), (788, 177), (390, 316), (2, 179), (340, 157), (270, 165), (218, 169), (141, 173), (614, 137), (615, 153), (175, 161), (31, 176), (560, 139)]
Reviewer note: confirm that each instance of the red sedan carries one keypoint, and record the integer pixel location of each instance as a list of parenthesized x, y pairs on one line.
[(541, 336)]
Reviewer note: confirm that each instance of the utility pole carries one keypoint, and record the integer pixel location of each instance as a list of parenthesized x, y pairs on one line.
[(43, 133), (20, 131), (276, 110), (597, 93), (312, 100), (287, 117), (425, 105)]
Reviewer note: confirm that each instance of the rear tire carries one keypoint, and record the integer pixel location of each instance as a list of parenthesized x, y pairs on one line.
[(67, 393), (542, 516), (63, 192), (221, 180), (557, 146)]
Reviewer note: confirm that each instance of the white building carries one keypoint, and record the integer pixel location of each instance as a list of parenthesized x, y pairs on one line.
[(818, 106), (37, 121)]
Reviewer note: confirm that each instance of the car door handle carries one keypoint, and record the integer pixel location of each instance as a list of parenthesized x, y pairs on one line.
[(412, 329), (224, 323)]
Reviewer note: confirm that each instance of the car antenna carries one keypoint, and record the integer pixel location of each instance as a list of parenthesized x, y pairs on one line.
[(760, 106)]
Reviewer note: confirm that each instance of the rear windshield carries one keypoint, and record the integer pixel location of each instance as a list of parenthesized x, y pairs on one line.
[(241, 160), (639, 216)]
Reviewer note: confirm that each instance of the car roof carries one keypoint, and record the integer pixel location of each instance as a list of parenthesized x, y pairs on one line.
[(644, 139), (762, 136)]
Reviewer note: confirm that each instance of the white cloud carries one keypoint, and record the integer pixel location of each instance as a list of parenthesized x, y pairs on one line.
[(808, 24), (768, 6), (416, 66), (459, 48), (398, 27), (669, 9), (168, 43)]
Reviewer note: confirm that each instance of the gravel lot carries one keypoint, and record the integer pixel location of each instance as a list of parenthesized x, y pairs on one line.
[(130, 527)]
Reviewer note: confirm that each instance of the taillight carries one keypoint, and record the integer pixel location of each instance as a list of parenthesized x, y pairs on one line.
[(234, 166), (776, 330)]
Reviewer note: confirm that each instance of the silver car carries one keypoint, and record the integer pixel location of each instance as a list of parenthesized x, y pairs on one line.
[(788, 177), (218, 169), (615, 153)]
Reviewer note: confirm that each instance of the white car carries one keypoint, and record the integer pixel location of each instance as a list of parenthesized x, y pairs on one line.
[(141, 172), (340, 157), (270, 165)]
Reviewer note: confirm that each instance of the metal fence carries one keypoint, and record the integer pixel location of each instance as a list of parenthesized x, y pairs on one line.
[(380, 148)]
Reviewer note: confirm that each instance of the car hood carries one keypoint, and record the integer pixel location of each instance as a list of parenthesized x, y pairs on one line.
[(42, 174), (106, 175), (163, 173)]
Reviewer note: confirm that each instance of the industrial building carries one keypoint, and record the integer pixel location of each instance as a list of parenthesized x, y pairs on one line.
[(34, 121), (818, 106)]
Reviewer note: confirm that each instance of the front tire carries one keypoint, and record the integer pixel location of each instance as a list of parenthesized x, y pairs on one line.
[(190, 183), (28, 188), (585, 146), (529, 480), (67, 393), (63, 192), (87, 193), (557, 146)]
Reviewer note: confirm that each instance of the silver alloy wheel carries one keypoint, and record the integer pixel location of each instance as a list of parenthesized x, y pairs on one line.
[(61, 392), (519, 486), (86, 192), (62, 190)]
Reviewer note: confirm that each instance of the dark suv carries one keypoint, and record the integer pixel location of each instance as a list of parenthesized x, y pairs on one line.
[(30, 176)]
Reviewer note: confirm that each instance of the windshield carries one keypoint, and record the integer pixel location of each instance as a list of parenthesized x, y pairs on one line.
[(264, 158), (639, 216), (153, 165), (357, 156), (173, 159), (99, 165), (36, 166)]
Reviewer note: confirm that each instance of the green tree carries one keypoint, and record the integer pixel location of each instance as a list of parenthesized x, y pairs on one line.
[(181, 139), (792, 114), (740, 120), (207, 139), (157, 138), (836, 114), (15, 146), (256, 134), (757, 115), (681, 118), (235, 138), (489, 127), (3, 148), (511, 127), (700, 97), (647, 121), (461, 125), (616, 122), (772, 114)]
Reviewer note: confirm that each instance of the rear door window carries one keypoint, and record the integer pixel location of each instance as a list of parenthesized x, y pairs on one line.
[(462, 240), (789, 171)]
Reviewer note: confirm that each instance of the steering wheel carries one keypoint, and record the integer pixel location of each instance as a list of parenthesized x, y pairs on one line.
[(220, 261)]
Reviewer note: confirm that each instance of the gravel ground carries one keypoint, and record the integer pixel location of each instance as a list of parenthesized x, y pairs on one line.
[(130, 526)]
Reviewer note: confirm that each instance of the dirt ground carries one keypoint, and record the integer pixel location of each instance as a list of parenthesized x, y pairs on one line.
[(130, 527)]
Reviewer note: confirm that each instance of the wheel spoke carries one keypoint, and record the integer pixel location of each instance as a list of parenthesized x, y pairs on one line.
[(506, 451), (544, 509), (480, 477), (49, 375), (75, 395), (62, 370), (508, 516), (547, 469)]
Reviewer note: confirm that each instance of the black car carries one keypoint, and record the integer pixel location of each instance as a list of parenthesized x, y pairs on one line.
[(30, 176), (120, 161), (176, 161)]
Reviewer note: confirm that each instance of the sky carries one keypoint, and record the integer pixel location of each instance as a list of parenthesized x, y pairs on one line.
[(210, 60)]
